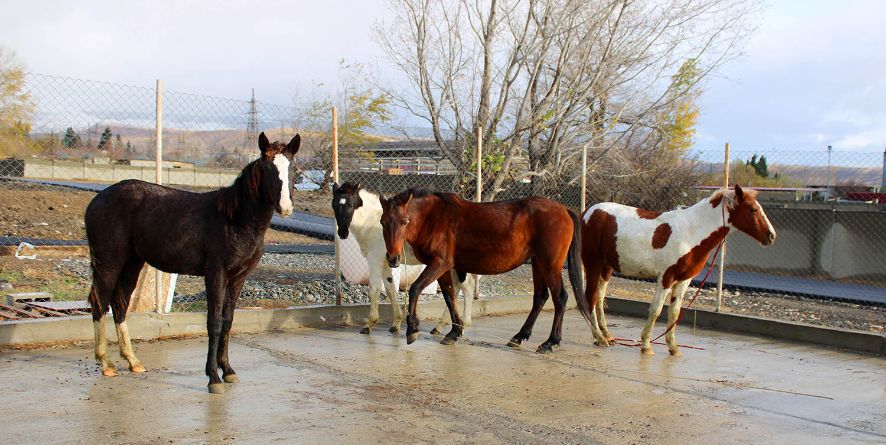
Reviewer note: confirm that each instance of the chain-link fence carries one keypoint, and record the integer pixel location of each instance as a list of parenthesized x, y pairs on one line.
[(80, 136), (74, 137)]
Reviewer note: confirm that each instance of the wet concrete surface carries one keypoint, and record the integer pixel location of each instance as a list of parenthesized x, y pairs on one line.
[(337, 386)]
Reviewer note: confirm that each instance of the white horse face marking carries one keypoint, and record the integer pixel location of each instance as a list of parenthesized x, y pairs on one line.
[(282, 163)]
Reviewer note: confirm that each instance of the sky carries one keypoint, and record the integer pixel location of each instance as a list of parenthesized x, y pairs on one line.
[(812, 75)]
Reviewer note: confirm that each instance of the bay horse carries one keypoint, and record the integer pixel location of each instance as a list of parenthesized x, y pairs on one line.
[(218, 235), (670, 247), (447, 232), (358, 211)]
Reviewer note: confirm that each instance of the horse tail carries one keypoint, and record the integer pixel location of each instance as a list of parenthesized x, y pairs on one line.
[(573, 260)]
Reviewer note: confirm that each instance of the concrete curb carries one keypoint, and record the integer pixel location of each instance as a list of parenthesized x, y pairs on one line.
[(150, 326), (858, 341)]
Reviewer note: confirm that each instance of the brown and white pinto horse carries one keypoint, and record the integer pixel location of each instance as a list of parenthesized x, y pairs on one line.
[(218, 235), (670, 247), (447, 232)]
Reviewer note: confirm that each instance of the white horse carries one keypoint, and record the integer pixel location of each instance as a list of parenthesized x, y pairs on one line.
[(358, 211), (669, 247)]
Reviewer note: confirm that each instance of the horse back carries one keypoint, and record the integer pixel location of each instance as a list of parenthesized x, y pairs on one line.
[(495, 237)]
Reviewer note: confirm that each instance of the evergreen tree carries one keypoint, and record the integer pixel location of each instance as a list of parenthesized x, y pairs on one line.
[(762, 168), (105, 139), (72, 139)]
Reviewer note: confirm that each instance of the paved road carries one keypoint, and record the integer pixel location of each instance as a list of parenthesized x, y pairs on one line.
[(336, 386)]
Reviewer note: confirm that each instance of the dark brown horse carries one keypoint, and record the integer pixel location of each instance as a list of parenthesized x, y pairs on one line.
[(218, 235), (447, 232)]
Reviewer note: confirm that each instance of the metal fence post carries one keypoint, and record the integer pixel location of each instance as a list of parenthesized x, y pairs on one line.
[(584, 178), (479, 194), (158, 136), (338, 296), (722, 259)]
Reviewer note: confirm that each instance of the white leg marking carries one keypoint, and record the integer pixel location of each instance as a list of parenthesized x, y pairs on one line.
[(601, 315), (392, 295), (467, 290), (654, 312), (673, 313), (101, 349), (126, 351)]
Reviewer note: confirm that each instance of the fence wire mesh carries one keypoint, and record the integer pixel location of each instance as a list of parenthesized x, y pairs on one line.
[(76, 136)]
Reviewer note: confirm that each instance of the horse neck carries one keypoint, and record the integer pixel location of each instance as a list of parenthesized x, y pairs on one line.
[(702, 219), (366, 219), (251, 212)]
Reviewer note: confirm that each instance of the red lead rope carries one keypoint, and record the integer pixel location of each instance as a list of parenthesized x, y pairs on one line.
[(621, 341)]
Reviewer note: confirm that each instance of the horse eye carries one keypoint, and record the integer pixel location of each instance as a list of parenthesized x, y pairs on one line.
[(405, 221)]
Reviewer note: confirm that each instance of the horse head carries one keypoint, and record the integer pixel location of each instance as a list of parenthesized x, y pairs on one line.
[(746, 214), (273, 179), (345, 201), (394, 220)]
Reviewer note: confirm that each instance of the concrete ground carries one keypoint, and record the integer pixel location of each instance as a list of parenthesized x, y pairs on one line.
[(336, 386)]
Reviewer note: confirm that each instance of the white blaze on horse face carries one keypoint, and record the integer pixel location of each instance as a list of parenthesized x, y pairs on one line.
[(765, 217), (282, 164)]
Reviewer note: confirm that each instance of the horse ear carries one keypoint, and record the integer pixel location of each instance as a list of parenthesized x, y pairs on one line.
[(382, 200), (263, 142), (357, 186), (334, 187), (739, 193), (408, 199), (294, 144)]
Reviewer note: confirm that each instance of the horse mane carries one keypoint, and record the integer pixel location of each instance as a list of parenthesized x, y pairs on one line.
[(423, 192), (231, 198), (728, 196)]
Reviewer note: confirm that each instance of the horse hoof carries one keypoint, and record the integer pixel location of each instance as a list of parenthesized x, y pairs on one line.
[(394, 329), (411, 338), (138, 367), (216, 388), (602, 343), (448, 340), (365, 331), (514, 343), (109, 372), (545, 349), (435, 331), (647, 351), (231, 378), (610, 341), (675, 352)]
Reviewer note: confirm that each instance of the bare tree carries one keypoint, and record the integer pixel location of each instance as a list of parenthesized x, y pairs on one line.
[(545, 77)]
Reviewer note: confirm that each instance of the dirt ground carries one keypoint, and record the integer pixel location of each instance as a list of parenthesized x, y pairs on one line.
[(337, 386)]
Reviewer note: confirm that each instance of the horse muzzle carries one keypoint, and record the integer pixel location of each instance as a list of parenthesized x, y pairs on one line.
[(393, 261), (343, 233), (770, 238)]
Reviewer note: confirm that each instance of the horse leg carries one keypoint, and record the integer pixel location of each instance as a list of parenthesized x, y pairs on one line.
[(559, 296), (392, 294), (445, 318), (446, 286), (539, 298), (593, 277), (442, 323), (432, 272), (122, 294), (215, 290), (231, 295), (374, 291), (100, 303), (467, 292), (101, 293), (654, 312), (601, 314), (673, 314)]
